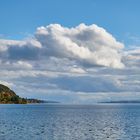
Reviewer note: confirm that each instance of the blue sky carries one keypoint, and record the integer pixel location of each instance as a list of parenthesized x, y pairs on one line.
[(19, 18), (76, 51)]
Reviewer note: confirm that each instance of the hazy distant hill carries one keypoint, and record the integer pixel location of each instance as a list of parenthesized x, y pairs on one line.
[(125, 101)]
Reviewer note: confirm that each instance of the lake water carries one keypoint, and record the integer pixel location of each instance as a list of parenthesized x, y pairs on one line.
[(70, 122)]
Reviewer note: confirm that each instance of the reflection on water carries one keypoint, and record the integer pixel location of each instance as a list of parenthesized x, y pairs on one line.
[(69, 122)]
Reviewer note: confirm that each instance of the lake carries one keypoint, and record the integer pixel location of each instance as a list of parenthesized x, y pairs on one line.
[(70, 122)]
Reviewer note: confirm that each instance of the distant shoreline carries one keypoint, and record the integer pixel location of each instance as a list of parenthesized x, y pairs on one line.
[(126, 102), (34, 101), (8, 96)]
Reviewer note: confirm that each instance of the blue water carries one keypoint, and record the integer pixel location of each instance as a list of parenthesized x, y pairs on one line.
[(70, 122)]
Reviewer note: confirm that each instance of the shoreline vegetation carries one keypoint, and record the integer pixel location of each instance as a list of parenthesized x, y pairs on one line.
[(8, 96)]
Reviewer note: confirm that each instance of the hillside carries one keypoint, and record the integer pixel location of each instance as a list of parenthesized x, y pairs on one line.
[(7, 96)]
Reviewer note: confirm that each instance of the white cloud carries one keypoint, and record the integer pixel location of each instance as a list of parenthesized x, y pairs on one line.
[(22, 65), (77, 70), (90, 44), (9, 84), (132, 58)]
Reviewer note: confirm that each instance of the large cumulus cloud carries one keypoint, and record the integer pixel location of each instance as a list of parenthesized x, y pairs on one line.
[(88, 45)]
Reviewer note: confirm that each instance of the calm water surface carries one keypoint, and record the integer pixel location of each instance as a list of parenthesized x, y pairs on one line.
[(70, 122)]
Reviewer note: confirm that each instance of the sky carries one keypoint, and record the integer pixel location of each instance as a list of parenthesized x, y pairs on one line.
[(76, 51)]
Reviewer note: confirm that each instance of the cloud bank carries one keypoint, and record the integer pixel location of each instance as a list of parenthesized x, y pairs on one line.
[(89, 45), (79, 64)]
